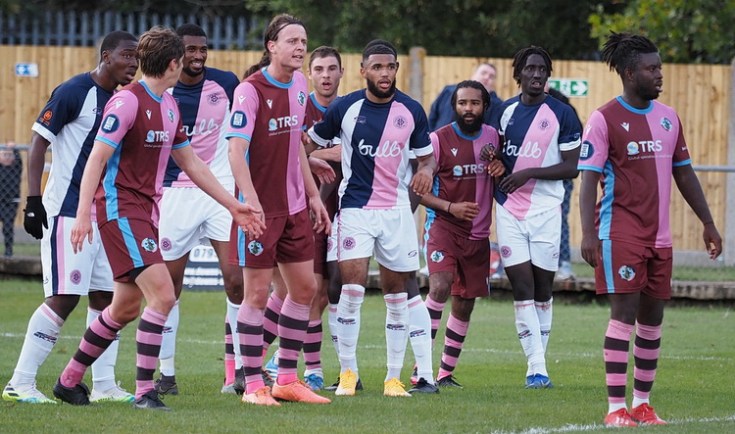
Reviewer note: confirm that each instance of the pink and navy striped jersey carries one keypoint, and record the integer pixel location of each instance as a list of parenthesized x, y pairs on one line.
[(535, 136), (462, 176), (205, 110), (376, 139), (635, 150), (269, 114), (70, 121), (143, 128)]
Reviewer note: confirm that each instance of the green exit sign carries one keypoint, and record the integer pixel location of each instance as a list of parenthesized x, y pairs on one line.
[(570, 86)]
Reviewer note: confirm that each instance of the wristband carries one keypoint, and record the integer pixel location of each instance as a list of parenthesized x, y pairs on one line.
[(449, 207)]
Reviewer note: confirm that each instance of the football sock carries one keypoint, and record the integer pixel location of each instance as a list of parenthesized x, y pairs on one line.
[(41, 336), (168, 345), (529, 334), (232, 310), (292, 324), (250, 335), (270, 322), (453, 341), (645, 352), (419, 334), (435, 309), (313, 347), (148, 338), (615, 354), (332, 320), (396, 332), (544, 312), (348, 327), (103, 369)]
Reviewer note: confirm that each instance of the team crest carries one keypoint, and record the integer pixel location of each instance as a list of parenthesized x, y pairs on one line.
[(505, 251), (437, 256), (76, 277), (666, 124), (149, 245), (399, 122), (544, 124), (349, 243), (170, 115), (255, 248), (301, 97), (166, 244), (626, 272), (587, 150), (213, 98), (46, 118)]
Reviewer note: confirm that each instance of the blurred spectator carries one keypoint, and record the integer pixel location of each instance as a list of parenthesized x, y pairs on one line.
[(11, 168), (442, 112)]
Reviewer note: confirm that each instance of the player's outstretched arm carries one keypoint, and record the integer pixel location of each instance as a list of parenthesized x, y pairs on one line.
[(96, 162), (690, 188), (587, 200), (246, 216)]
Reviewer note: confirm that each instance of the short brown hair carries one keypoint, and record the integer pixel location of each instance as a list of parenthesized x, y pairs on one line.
[(156, 48)]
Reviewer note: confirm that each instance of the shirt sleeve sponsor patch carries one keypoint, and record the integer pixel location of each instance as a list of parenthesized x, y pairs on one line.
[(586, 151), (238, 119), (110, 124)]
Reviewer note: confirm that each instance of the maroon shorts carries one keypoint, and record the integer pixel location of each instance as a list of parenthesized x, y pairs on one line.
[(624, 268), (287, 239), (130, 244), (468, 260)]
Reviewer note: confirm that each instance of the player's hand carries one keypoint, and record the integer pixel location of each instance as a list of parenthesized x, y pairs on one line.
[(250, 218), (322, 170), (487, 153), (513, 182), (319, 216), (496, 168), (421, 182), (34, 217), (590, 249), (81, 230), (712, 240), (464, 210)]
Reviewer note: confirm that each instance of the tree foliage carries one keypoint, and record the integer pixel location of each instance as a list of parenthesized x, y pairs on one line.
[(685, 31)]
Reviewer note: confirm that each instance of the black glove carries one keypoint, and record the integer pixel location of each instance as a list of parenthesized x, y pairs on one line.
[(34, 215)]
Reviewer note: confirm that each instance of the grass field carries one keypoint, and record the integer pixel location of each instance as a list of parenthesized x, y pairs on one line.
[(694, 389)]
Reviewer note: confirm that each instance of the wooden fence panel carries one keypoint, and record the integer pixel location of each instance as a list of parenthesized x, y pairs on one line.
[(700, 93)]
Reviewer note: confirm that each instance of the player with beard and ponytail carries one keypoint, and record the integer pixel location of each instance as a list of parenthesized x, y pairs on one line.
[(457, 229), (377, 127), (635, 141)]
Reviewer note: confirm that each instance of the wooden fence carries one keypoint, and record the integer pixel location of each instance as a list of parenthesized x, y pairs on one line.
[(700, 93)]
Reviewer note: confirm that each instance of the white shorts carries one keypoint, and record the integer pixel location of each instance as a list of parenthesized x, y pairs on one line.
[(535, 239), (69, 273), (391, 234), (188, 214), (332, 242)]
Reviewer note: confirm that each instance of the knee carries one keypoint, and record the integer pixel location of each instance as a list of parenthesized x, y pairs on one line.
[(439, 293), (256, 297), (62, 305), (234, 287)]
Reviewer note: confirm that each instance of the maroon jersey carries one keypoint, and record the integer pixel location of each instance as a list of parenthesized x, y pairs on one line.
[(143, 128)]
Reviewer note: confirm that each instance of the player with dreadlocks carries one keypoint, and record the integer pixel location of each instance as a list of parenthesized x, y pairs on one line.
[(632, 146), (541, 148)]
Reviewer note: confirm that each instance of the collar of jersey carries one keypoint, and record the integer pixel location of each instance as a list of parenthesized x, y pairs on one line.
[(152, 95), (633, 109), (321, 108), (463, 135), (273, 81)]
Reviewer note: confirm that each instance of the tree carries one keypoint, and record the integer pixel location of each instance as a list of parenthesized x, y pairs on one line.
[(478, 28), (685, 31)]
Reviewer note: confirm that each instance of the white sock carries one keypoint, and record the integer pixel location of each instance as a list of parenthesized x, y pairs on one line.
[(168, 344), (103, 369), (638, 401), (333, 324), (348, 325), (41, 336), (396, 332), (232, 309), (419, 334), (544, 312), (612, 407), (529, 334)]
